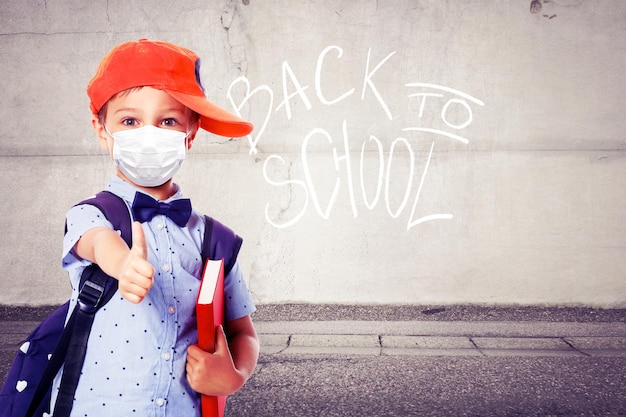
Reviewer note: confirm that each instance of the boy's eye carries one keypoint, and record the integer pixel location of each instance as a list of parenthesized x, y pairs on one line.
[(169, 122), (129, 122)]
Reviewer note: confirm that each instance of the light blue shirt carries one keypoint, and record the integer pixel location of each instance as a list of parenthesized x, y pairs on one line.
[(136, 356)]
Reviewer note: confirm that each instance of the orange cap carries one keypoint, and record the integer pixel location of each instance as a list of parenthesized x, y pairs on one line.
[(166, 67)]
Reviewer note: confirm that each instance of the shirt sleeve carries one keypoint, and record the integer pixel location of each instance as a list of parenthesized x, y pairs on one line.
[(237, 297), (79, 220)]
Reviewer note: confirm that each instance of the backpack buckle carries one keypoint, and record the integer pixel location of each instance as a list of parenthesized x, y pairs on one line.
[(90, 296)]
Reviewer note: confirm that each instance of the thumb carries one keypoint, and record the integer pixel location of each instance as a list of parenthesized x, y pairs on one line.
[(221, 343), (139, 241)]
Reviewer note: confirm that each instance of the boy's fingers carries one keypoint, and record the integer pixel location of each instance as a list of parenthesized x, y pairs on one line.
[(133, 298), (139, 241), (136, 272), (193, 353), (136, 290), (145, 271)]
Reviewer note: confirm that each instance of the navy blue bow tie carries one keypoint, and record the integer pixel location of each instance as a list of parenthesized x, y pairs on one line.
[(146, 207)]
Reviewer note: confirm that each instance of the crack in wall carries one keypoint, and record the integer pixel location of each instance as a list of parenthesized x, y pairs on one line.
[(237, 51)]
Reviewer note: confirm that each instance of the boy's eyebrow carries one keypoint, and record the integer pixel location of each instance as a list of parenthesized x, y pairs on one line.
[(126, 109), (175, 109), (166, 110)]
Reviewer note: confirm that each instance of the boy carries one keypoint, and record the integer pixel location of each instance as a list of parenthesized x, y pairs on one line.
[(142, 358)]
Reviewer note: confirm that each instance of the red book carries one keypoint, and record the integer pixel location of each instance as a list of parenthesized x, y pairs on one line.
[(210, 315)]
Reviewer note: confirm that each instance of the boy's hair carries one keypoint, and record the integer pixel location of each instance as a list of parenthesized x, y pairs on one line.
[(166, 67)]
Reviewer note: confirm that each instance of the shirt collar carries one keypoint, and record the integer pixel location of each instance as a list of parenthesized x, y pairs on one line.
[(127, 190)]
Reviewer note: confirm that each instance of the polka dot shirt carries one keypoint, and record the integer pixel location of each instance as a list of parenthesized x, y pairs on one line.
[(135, 361)]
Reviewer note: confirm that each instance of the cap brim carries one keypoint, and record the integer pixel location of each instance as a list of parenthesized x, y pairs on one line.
[(212, 117)]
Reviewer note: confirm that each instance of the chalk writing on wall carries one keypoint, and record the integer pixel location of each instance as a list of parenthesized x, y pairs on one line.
[(452, 109)]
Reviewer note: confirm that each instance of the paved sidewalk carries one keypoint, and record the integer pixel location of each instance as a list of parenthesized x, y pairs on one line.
[(443, 338), (405, 330), (416, 338)]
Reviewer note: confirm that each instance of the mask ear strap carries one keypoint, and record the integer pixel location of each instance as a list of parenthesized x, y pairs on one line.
[(188, 140), (107, 130)]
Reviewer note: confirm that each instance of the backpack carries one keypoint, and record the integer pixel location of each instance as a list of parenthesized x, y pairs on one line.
[(27, 389)]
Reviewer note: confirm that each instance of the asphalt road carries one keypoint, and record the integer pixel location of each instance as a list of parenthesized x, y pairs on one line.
[(532, 383), (351, 386)]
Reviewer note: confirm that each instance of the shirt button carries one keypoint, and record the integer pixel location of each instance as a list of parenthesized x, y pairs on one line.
[(160, 226), (166, 356), (165, 267), (171, 309), (160, 402)]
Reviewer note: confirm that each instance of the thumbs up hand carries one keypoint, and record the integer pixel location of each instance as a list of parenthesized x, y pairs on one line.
[(135, 278)]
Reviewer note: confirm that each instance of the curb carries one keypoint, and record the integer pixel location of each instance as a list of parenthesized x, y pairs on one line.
[(418, 338)]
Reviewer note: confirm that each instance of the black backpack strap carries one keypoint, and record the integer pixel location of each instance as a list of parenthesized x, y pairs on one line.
[(97, 288), (220, 242)]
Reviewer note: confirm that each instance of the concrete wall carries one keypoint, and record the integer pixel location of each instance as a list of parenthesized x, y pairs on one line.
[(413, 152)]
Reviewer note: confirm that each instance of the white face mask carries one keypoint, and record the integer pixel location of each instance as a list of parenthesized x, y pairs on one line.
[(149, 156)]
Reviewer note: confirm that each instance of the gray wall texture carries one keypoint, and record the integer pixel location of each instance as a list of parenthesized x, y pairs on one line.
[(405, 152)]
